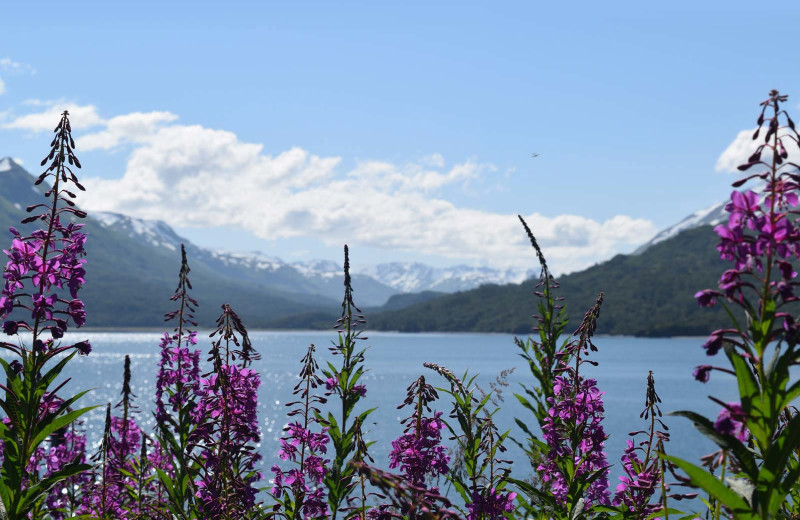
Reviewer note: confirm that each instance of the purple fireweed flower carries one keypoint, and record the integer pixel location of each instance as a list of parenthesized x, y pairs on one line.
[(178, 374), (638, 484), (731, 421), (491, 505), (418, 452), (702, 373), (714, 342), (742, 209), (706, 298), (10, 327), (331, 384)]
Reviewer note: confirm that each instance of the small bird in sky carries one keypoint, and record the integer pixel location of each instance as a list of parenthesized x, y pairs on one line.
[(534, 155)]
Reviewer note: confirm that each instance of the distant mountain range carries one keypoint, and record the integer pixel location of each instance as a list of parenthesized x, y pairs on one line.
[(134, 263), (376, 283), (133, 266)]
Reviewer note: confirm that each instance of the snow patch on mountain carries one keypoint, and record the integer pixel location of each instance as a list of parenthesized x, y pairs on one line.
[(5, 164), (248, 259), (416, 277), (712, 215), (319, 268), (154, 232)]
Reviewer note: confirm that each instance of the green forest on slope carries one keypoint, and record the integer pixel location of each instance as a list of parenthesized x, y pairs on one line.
[(649, 294)]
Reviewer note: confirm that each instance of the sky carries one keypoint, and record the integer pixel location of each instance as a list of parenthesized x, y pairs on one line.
[(404, 129)]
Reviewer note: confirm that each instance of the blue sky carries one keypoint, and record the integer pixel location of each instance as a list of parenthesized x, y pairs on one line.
[(402, 128)]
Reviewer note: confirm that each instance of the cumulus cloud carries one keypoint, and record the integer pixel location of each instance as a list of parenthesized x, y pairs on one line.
[(743, 146), (193, 176), (2, 87), (81, 117), (131, 128)]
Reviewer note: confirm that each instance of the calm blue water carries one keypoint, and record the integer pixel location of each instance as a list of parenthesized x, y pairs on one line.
[(395, 360)]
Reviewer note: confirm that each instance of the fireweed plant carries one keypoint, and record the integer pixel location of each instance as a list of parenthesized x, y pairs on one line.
[(761, 431), (344, 381), (645, 468), (177, 388), (420, 456), (42, 277), (575, 468), (112, 495), (419, 452), (298, 491), (485, 476), (569, 457), (540, 355), (227, 431)]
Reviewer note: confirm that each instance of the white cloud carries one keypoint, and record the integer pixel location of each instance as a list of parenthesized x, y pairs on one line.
[(192, 176), (80, 116), (2, 87), (137, 127), (743, 146)]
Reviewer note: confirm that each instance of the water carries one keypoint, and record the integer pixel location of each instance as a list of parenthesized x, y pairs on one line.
[(395, 360)]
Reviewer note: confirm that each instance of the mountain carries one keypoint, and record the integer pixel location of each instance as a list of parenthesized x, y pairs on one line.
[(412, 277), (133, 266), (299, 281), (132, 269), (710, 216), (646, 294)]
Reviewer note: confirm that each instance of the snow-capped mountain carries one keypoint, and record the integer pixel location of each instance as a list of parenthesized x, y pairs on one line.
[(711, 216), (375, 284), (153, 232), (6, 163), (416, 277)]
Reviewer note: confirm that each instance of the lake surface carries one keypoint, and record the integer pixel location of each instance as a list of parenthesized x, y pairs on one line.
[(395, 360)]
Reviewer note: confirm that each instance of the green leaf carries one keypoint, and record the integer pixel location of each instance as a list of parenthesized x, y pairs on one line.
[(778, 456), (59, 422), (707, 481), (728, 443), (47, 379), (534, 493), (34, 493)]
